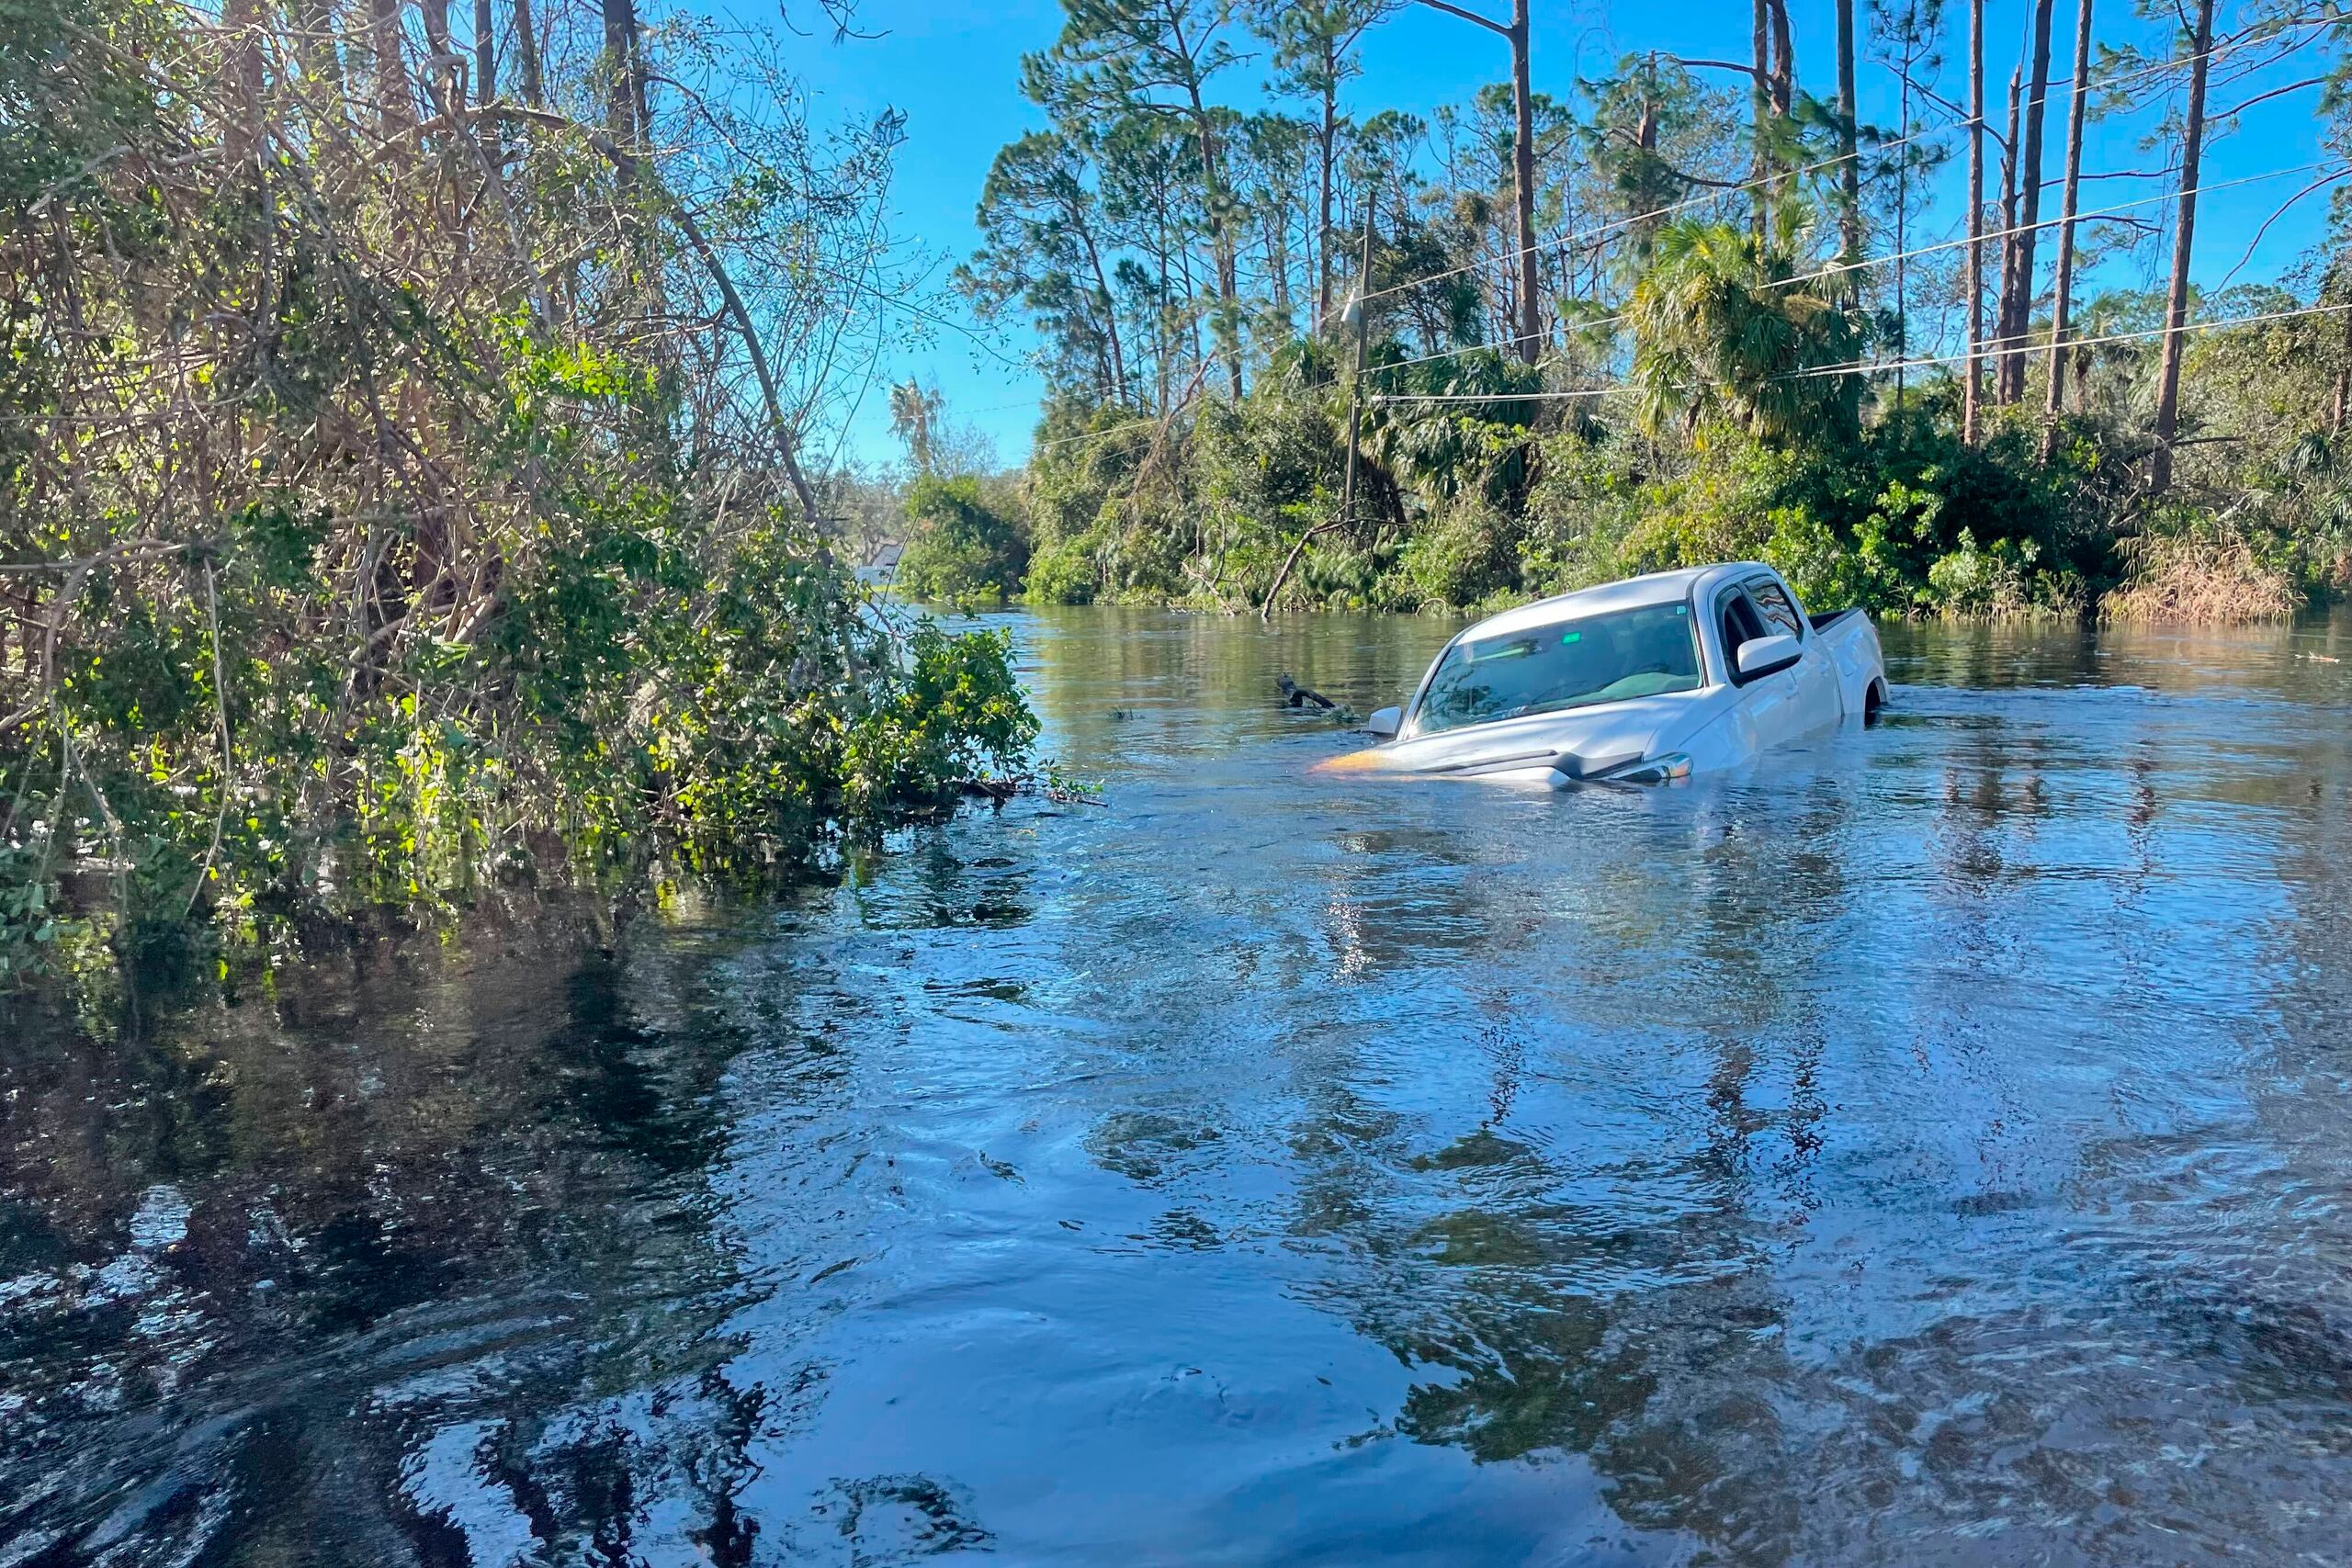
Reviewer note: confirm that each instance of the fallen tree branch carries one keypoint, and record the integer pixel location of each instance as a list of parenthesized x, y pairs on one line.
[(787, 435), (1266, 609)]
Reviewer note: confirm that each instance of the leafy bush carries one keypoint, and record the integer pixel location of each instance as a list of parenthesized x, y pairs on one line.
[(1465, 555), (341, 579), (962, 548)]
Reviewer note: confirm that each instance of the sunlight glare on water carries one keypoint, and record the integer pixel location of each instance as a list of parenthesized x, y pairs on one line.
[(1931, 1150)]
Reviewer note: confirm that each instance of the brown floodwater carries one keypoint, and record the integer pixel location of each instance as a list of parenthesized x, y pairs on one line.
[(1936, 1149)]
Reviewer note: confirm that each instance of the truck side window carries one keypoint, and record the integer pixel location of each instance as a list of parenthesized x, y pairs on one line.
[(1773, 600), (1740, 624)]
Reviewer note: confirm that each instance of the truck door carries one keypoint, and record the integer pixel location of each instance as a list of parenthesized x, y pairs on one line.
[(1769, 702), (1817, 699)]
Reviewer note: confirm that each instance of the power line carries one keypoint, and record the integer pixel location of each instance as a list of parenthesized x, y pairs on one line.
[(1839, 268), (1993, 347), (2072, 343), (2153, 68), (1098, 434), (1866, 366), (1672, 207)]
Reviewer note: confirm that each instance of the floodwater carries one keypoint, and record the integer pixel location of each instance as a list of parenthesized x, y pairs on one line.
[(1938, 1151)]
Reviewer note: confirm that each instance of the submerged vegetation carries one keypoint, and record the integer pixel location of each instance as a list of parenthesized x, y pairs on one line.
[(401, 480), (1663, 318)]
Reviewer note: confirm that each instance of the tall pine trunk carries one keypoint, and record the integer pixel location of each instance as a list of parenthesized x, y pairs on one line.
[(2184, 239), (1971, 385), (240, 127), (1328, 132), (2017, 303), (1760, 112), (395, 109), (527, 56), (2008, 237), (1228, 303), (2343, 401), (1784, 63), (2062, 285), (1850, 179), (624, 74), (485, 52), (1902, 225)]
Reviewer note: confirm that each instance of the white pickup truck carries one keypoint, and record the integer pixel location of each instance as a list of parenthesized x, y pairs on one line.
[(1641, 681)]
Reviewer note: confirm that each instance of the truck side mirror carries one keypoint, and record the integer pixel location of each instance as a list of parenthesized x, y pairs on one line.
[(1385, 723), (1761, 656)]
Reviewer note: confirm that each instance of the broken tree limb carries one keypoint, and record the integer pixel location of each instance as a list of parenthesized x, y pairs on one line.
[(1296, 695), (787, 435), (1266, 609)]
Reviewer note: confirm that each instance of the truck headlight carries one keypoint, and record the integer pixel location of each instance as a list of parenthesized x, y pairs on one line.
[(1652, 771)]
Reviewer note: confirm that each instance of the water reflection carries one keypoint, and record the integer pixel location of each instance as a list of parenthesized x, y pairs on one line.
[(1932, 1149)]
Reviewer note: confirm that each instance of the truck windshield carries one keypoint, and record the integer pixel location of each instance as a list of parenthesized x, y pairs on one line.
[(1600, 658)]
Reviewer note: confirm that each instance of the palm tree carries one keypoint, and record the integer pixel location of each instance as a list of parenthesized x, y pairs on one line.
[(914, 417), (1723, 330)]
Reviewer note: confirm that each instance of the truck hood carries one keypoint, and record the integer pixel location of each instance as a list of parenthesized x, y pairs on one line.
[(1577, 743)]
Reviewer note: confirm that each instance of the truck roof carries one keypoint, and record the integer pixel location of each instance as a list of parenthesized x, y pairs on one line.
[(1656, 588)]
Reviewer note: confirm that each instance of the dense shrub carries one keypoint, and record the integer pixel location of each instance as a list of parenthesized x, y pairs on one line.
[(961, 548), (380, 522), (1465, 555)]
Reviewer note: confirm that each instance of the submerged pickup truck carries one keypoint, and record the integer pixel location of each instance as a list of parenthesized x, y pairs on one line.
[(1641, 681)]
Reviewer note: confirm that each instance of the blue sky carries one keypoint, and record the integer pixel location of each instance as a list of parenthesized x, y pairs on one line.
[(952, 70)]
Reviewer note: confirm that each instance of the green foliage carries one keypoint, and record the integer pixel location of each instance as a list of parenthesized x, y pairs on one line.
[(1466, 554), (1707, 386), (1728, 332), (1902, 518), (962, 549), (343, 582)]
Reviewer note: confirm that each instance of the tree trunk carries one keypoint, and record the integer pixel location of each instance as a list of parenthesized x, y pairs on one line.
[(1110, 318), (1850, 179), (1902, 217), (1278, 255), (485, 52), (2018, 304), (2068, 204), (241, 130), (2192, 153), (2008, 242), (1531, 303), (443, 63), (1970, 388), (395, 109), (1329, 130), (2343, 403), (1227, 304), (1644, 226), (527, 56), (620, 101), (1784, 63), (1760, 109), (321, 54)]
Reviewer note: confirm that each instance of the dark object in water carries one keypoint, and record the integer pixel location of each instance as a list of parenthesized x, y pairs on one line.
[(1295, 696)]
